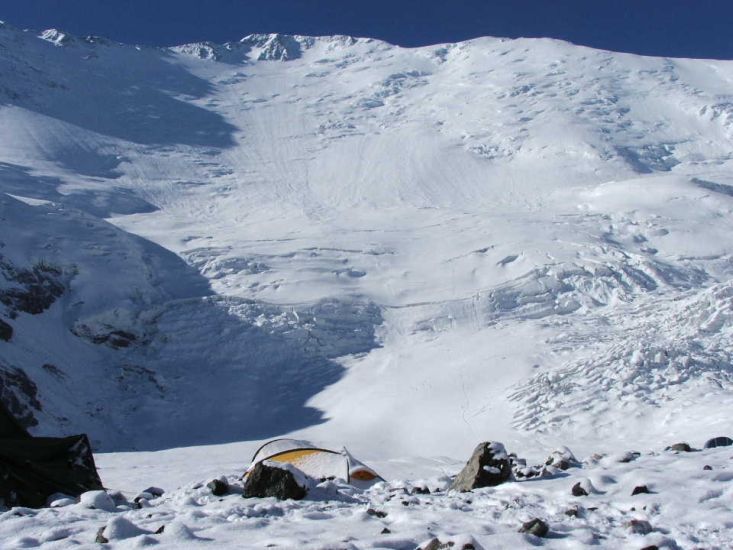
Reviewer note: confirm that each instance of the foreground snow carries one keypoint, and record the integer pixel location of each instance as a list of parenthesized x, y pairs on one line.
[(688, 506)]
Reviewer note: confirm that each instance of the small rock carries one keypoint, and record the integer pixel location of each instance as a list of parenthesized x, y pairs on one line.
[(385, 531), (376, 513), (562, 458), (578, 490), (6, 331), (155, 491), (680, 448), (718, 442), (535, 527), (120, 528), (421, 491), (651, 547), (159, 530), (488, 466), (629, 456), (218, 487), (707, 467), (640, 489), (100, 538), (270, 479), (573, 512), (140, 502), (640, 526)]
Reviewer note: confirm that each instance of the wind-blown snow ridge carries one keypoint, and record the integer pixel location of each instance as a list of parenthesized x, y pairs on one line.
[(460, 225)]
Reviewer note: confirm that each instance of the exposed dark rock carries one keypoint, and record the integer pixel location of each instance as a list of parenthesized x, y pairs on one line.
[(100, 538), (6, 331), (488, 466), (421, 491), (535, 527), (159, 530), (385, 531), (707, 467), (376, 513), (563, 459), (154, 491), (573, 512), (33, 290), (640, 526), (218, 487), (578, 490), (640, 489), (651, 547), (629, 456), (109, 336), (680, 448), (20, 395), (271, 481), (718, 442)]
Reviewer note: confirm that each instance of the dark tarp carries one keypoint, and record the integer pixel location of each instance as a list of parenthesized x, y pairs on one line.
[(34, 468)]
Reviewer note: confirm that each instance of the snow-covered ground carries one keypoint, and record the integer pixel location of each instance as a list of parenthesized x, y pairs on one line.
[(406, 251)]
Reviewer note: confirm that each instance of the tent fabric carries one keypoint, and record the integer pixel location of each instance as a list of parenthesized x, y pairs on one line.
[(34, 468), (314, 461)]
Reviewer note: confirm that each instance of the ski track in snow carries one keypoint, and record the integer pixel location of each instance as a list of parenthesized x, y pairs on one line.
[(406, 251)]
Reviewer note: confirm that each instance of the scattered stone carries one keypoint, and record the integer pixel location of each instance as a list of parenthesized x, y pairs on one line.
[(159, 530), (140, 502), (707, 467), (629, 456), (680, 448), (718, 442), (268, 479), (218, 487), (640, 526), (651, 547), (376, 513), (640, 489), (385, 531), (155, 491), (488, 466), (421, 491), (100, 538), (562, 459), (578, 490), (6, 331), (535, 527), (573, 512), (436, 544)]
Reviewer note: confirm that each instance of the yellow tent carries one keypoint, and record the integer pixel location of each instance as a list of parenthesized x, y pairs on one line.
[(316, 462)]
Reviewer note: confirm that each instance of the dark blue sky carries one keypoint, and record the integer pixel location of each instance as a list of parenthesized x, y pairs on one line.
[(683, 28)]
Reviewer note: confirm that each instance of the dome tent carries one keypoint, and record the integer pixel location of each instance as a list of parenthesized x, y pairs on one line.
[(316, 462)]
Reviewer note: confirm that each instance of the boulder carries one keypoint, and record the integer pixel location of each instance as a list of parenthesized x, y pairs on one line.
[(6, 331), (271, 479), (578, 490), (640, 526), (640, 490), (562, 459), (218, 487), (488, 466), (535, 527), (680, 448), (718, 442)]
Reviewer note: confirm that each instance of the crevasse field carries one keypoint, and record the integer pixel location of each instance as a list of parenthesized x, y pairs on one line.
[(404, 251)]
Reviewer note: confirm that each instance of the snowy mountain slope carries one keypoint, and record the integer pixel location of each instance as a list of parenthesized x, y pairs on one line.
[(522, 240)]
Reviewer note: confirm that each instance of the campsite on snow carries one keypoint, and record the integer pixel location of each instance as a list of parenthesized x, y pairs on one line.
[(332, 293)]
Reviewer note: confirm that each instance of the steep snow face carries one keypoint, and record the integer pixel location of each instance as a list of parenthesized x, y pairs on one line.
[(518, 240)]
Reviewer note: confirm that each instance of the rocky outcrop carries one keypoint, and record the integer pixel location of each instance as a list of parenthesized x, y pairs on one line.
[(6, 331), (488, 466), (19, 394), (30, 290)]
